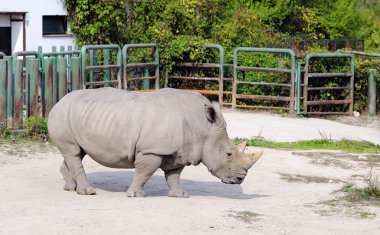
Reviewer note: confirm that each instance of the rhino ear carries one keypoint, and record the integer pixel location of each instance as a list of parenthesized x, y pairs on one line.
[(210, 113), (213, 113)]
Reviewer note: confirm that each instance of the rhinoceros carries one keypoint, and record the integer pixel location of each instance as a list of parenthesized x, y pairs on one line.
[(167, 129)]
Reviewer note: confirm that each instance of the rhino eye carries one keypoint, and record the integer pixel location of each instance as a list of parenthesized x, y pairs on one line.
[(229, 154)]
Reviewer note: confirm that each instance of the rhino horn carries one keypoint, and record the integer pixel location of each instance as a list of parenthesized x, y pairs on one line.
[(254, 157), (242, 146)]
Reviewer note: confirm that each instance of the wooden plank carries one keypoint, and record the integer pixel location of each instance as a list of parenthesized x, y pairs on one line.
[(102, 67), (262, 69), (263, 83), (141, 65), (192, 65), (194, 78), (262, 97), (101, 82), (142, 78), (327, 88), (261, 107), (327, 102), (328, 75)]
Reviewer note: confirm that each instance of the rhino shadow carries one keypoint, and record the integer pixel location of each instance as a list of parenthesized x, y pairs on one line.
[(119, 181)]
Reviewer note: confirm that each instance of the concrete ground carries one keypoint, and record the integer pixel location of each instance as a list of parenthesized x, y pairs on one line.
[(285, 192), (288, 129)]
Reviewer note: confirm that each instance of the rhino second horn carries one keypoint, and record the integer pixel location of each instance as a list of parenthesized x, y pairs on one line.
[(254, 157), (242, 146)]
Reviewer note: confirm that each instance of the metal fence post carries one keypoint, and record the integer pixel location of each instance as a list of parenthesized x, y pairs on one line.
[(32, 87), (75, 73), (3, 90), (62, 77), (372, 92), (17, 95), (47, 91)]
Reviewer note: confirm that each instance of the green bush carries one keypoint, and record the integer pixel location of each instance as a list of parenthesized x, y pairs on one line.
[(36, 127)]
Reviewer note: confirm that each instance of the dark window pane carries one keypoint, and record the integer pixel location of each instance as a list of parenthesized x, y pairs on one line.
[(5, 40), (54, 25)]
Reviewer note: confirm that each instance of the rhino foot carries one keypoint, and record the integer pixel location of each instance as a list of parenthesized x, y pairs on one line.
[(135, 193), (178, 193), (86, 190), (69, 187)]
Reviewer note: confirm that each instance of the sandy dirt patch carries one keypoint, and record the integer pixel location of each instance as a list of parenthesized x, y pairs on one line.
[(286, 192)]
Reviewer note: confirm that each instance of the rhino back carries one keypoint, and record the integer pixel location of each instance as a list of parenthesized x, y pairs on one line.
[(112, 125)]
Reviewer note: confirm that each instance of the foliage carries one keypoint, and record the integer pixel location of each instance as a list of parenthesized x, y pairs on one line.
[(181, 28), (36, 127), (323, 144)]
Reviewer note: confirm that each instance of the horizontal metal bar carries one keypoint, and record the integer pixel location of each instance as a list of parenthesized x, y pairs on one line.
[(142, 78), (96, 47), (263, 83), (262, 97), (206, 65), (204, 92), (327, 88), (327, 102), (260, 107), (141, 65), (360, 53), (328, 75), (329, 113), (327, 55), (61, 53), (194, 78), (101, 82), (102, 67), (262, 69)]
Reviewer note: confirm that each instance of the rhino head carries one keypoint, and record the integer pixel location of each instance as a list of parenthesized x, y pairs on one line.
[(222, 158)]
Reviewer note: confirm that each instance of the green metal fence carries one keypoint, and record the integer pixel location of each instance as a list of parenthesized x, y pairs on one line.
[(32, 82), (236, 95), (147, 75), (97, 72), (310, 102), (203, 74)]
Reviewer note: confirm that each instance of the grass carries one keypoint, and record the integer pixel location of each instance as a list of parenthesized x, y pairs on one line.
[(320, 144), (371, 192)]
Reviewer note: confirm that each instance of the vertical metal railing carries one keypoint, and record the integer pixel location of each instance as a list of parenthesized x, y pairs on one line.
[(307, 102), (91, 66), (290, 85), (146, 78)]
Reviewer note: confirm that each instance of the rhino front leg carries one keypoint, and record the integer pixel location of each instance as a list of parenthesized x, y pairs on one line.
[(172, 179), (145, 166), (75, 166)]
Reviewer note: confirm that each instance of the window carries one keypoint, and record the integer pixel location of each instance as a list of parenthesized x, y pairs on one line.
[(54, 25)]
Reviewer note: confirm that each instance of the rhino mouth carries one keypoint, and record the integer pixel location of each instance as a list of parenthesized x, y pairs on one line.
[(233, 180)]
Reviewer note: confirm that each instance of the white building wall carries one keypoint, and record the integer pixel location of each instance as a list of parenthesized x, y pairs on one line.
[(36, 9)]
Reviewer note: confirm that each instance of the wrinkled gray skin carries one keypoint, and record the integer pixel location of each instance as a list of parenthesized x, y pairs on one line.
[(165, 129)]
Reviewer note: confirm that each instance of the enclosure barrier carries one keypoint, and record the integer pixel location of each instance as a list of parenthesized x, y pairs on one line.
[(32, 85), (95, 67), (236, 82), (146, 66), (308, 76), (372, 87), (219, 79)]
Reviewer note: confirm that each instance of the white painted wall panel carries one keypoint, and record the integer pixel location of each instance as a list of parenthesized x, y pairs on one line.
[(36, 9)]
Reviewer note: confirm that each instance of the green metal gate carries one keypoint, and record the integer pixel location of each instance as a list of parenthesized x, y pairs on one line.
[(236, 96), (347, 90), (98, 73), (127, 66)]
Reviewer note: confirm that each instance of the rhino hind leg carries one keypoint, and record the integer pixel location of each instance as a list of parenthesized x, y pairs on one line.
[(76, 171), (70, 184), (145, 166), (172, 179)]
